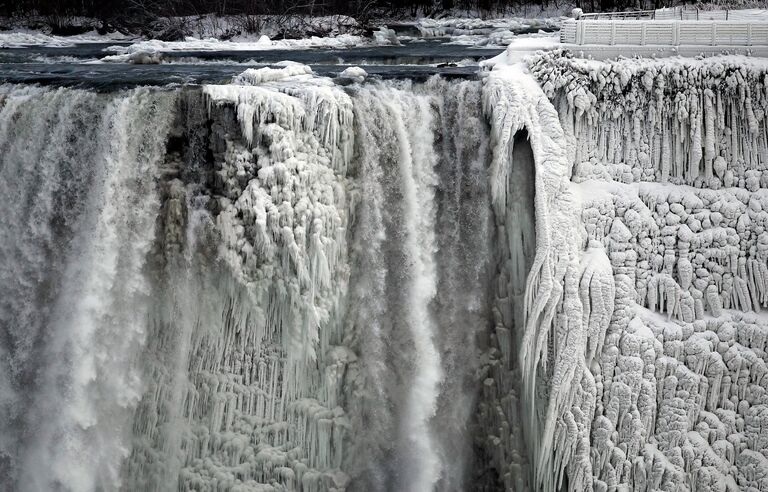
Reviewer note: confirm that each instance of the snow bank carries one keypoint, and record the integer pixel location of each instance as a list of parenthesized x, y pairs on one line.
[(470, 26), (22, 38)]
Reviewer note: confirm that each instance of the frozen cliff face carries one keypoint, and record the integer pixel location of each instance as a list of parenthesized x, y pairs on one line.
[(698, 122), (547, 334), (667, 277), (254, 333)]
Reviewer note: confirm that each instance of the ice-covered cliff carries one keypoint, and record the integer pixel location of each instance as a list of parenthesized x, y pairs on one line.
[(668, 160)]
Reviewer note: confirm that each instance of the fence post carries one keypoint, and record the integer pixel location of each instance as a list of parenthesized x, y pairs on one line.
[(714, 32), (749, 34), (613, 33), (676, 34), (642, 34)]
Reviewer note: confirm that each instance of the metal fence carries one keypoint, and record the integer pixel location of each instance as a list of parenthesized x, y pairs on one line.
[(665, 33)]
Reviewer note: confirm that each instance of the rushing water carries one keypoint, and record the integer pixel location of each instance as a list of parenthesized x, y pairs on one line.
[(80, 65), (79, 194), (224, 287)]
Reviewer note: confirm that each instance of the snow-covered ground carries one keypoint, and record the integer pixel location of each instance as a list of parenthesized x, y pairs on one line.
[(470, 26), (23, 38)]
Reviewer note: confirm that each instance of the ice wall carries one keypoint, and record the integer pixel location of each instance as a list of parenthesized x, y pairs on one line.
[(668, 160)]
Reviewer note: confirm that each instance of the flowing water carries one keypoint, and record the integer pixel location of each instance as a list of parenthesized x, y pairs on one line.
[(277, 287)]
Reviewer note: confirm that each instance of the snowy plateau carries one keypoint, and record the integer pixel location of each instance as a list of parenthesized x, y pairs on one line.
[(549, 276)]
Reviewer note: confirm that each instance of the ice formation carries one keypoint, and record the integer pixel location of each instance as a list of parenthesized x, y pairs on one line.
[(667, 163), (548, 279), (339, 41), (453, 26)]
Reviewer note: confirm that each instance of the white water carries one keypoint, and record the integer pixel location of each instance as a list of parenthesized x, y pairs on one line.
[(89, 178), (419, 295), (421, 467), (410, 124)]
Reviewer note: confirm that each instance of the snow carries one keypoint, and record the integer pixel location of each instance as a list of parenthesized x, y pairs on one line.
[(474, 26), (23, 38), (262, 43), (356, 74), (384, 36), (521, 46)]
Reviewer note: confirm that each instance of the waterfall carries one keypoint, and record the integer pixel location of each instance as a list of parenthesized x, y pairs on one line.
[(420, 296), (405, 152), (279, 284), (285, 283), (77, 174)]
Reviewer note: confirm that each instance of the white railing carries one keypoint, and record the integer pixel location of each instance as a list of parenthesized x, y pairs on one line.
[(632, 15), (741, 15), (665, 33), (681, 13)]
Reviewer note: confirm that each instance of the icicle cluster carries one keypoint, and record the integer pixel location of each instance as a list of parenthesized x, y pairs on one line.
[(552, 345), (668, 380), (668, 159), (265, 380), (700, 122)]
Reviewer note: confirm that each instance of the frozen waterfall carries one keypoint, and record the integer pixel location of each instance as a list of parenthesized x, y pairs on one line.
[(551, 278), (279, 284)]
